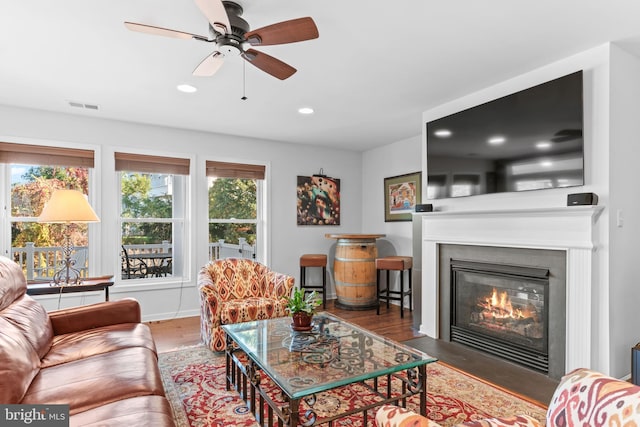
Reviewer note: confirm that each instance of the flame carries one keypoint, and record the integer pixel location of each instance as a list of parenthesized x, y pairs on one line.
[(499, 305)]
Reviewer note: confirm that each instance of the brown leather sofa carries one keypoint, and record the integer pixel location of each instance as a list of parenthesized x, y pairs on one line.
[(99, 359)]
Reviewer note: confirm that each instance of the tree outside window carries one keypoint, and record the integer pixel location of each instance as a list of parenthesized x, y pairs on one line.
[(232, 217), (146, 196), (153, 208), (235, 209), (37, 246), (149, 224)]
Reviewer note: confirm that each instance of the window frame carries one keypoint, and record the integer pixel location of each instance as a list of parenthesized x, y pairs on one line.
[(244, 170), (180, 224), (33, 153)]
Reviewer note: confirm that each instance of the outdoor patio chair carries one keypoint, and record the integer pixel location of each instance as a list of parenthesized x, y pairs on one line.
[(132, 269)]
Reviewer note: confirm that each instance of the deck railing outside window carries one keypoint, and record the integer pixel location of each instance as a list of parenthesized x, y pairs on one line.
[(220, 249), (41, 263)]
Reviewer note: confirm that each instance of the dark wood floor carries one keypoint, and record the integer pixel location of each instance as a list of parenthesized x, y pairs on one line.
[(174, 333)]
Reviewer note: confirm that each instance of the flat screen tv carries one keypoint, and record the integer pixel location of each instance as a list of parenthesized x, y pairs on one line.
[(529, 140)]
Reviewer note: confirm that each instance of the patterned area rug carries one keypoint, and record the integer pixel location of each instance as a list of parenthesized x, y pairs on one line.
[(194, 380)]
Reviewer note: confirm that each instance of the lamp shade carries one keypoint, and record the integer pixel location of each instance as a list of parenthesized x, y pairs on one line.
[(68, 206)]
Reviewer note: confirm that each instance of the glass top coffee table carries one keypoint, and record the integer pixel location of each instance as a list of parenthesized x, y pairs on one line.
[(301, 365)]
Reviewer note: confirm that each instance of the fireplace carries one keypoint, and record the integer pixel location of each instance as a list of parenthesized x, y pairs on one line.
[(530, 279), (501, 309), (568, 235)]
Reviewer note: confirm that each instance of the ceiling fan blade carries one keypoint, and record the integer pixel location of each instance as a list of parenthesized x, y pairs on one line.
[(269, 64), (295, 30), (216, 15), (159, 31), (209, 65)]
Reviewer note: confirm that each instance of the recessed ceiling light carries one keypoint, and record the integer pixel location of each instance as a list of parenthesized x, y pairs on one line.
[(186, 88), (305, 110), (543, 145), (496, 140), (442, 133)]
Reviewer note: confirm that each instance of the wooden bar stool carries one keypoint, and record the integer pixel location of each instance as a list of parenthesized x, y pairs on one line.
[(394, 263), (314, 260)]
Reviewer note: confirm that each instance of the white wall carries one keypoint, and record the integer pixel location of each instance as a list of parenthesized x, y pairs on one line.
[(624, 154), (398, 158), (284, 163)]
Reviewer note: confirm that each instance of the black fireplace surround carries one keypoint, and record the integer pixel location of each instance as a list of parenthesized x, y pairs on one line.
[(501, 309), (508, 302)]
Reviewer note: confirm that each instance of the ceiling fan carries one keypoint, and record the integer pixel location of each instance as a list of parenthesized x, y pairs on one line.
[(232, 36)]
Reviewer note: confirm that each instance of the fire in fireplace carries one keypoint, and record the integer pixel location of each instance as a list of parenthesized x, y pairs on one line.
[(497, 313), (501, 309)]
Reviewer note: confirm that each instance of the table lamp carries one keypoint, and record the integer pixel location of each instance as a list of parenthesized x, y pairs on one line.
[(66, 207)]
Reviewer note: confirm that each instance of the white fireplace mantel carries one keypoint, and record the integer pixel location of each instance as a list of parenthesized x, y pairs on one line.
[(563, 228)]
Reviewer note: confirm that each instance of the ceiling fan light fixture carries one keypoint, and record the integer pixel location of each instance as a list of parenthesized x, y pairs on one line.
[(186, 88), (230, 49)]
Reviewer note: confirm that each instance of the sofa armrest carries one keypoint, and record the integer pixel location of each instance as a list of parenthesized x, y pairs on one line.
[(210, 299), (586, 397), (92, 316)]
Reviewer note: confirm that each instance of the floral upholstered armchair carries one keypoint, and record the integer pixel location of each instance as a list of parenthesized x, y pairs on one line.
[(583, 398), (235, 290)]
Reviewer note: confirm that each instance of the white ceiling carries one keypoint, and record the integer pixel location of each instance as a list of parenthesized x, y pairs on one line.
[(369, 76)]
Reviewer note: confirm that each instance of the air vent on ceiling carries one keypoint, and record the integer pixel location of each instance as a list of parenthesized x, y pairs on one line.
[(81, 105)]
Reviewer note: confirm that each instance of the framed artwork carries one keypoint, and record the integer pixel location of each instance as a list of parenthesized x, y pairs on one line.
[(318, 200), (401, 195)]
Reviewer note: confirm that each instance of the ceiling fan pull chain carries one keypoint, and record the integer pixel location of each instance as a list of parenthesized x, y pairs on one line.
[(244, 80)]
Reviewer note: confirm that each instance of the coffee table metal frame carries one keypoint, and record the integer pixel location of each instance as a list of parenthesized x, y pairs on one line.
[(335, 347)]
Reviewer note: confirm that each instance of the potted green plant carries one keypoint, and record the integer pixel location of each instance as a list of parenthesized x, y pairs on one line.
[(302, 308)]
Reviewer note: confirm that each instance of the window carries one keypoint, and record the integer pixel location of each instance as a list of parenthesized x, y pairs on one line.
[(436, 187), (234, 209), (33, 173), (152, 215), (465, 185)]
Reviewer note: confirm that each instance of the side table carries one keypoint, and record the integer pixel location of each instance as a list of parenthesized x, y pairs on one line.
[(87, 285)]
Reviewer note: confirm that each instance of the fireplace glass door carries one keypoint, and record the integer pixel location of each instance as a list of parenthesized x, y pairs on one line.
[(501, 309)]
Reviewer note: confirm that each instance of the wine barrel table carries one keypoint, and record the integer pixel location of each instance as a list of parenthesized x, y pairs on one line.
[(354, 270)]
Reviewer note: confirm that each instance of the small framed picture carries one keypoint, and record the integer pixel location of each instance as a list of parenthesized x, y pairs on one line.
[(401, 194)]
